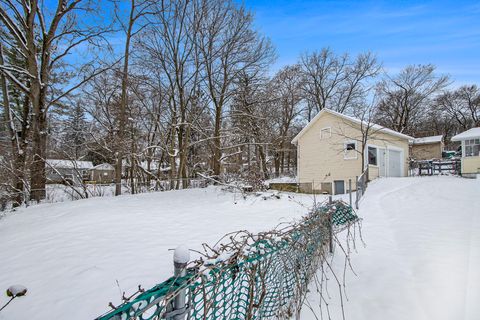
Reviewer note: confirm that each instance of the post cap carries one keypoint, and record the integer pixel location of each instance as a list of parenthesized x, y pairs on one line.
[(181, 255)]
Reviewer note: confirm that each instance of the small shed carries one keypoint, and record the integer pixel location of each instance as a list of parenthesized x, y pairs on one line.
[(427, 148), (67, 171), (470, 140), (103, 173)]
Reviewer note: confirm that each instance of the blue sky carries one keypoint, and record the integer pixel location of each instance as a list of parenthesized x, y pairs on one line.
[(446, 34)]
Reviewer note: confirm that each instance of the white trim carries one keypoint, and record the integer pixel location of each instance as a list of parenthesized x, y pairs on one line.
[(345, 150), (367, 157), (329, 132), (384, 149), (298, 164)]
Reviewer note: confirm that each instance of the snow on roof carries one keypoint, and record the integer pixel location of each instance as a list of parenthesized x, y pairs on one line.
[(104, 166), (469, 134), (283, 179), (374, 126), (70, 164), (427, 140)]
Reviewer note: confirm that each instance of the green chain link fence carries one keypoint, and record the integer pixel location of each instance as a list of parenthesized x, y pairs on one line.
[(256, 277)]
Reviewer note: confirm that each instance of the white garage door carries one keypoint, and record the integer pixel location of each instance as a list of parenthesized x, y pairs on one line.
[(394, 163)]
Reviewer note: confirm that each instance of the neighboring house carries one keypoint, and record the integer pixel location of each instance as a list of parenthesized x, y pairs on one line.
[(67, 171), (470, 140), (103, 173), (427, 148), (329, 151)]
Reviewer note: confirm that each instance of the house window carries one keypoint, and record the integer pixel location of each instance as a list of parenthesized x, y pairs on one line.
[(325, 133), (372, 156), (350, 146), (472, 148), (350, 150)]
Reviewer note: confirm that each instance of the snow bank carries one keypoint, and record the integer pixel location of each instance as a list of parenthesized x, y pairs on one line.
[(76, 257)]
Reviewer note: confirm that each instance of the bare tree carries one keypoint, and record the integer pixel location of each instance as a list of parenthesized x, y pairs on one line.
[(138, 10), (228, 46), (462, 105), (43, 38), (336, 81), (286, 91), (169, 44), (404, 98), (251, 123)]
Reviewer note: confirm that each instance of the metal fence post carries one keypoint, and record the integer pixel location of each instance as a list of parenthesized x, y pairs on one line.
[(181, 257), (356, 193), (330, 224), (350, 191)]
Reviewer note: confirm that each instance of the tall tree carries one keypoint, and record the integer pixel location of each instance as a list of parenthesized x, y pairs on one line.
[(336, 81), (286, 95), (169, 44), (76, 132), (228, 46), (405, 97), (138, 9), (462, 105), (44, 37)]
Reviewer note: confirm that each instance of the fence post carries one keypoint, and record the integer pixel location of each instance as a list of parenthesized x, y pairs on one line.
[(181, 257), (330, 224), (356, 192), (350, 191)]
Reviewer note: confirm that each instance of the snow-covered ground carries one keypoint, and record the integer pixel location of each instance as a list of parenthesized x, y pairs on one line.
[(421, 260), (70, 255), (422, 254)]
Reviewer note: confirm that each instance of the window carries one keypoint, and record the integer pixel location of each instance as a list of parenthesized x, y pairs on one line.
[(349, 149), (472, 148), (325, 133), (372, 156)]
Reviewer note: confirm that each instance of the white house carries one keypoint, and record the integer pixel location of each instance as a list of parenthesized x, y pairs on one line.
[(470, 140)]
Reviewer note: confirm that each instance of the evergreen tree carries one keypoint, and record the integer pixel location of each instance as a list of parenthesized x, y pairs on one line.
[(76, 132)]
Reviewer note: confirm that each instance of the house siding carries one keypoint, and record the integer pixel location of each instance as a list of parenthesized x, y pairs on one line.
[(322, 160), (427, 151), (470, 165), (102, 176)]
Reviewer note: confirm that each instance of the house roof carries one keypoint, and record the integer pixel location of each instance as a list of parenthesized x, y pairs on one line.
[(376, 127), (469, 134), (68, 164), (104, 166), (427, 140)]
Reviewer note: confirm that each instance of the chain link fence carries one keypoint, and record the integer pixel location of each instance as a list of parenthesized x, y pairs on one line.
[(251, 276)]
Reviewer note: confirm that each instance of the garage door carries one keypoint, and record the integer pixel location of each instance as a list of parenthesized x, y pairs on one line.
[(394, 163)]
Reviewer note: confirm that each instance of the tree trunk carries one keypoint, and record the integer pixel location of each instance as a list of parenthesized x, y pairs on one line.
[(123, 106), (217, 152), (39, 139), (18, 144)]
